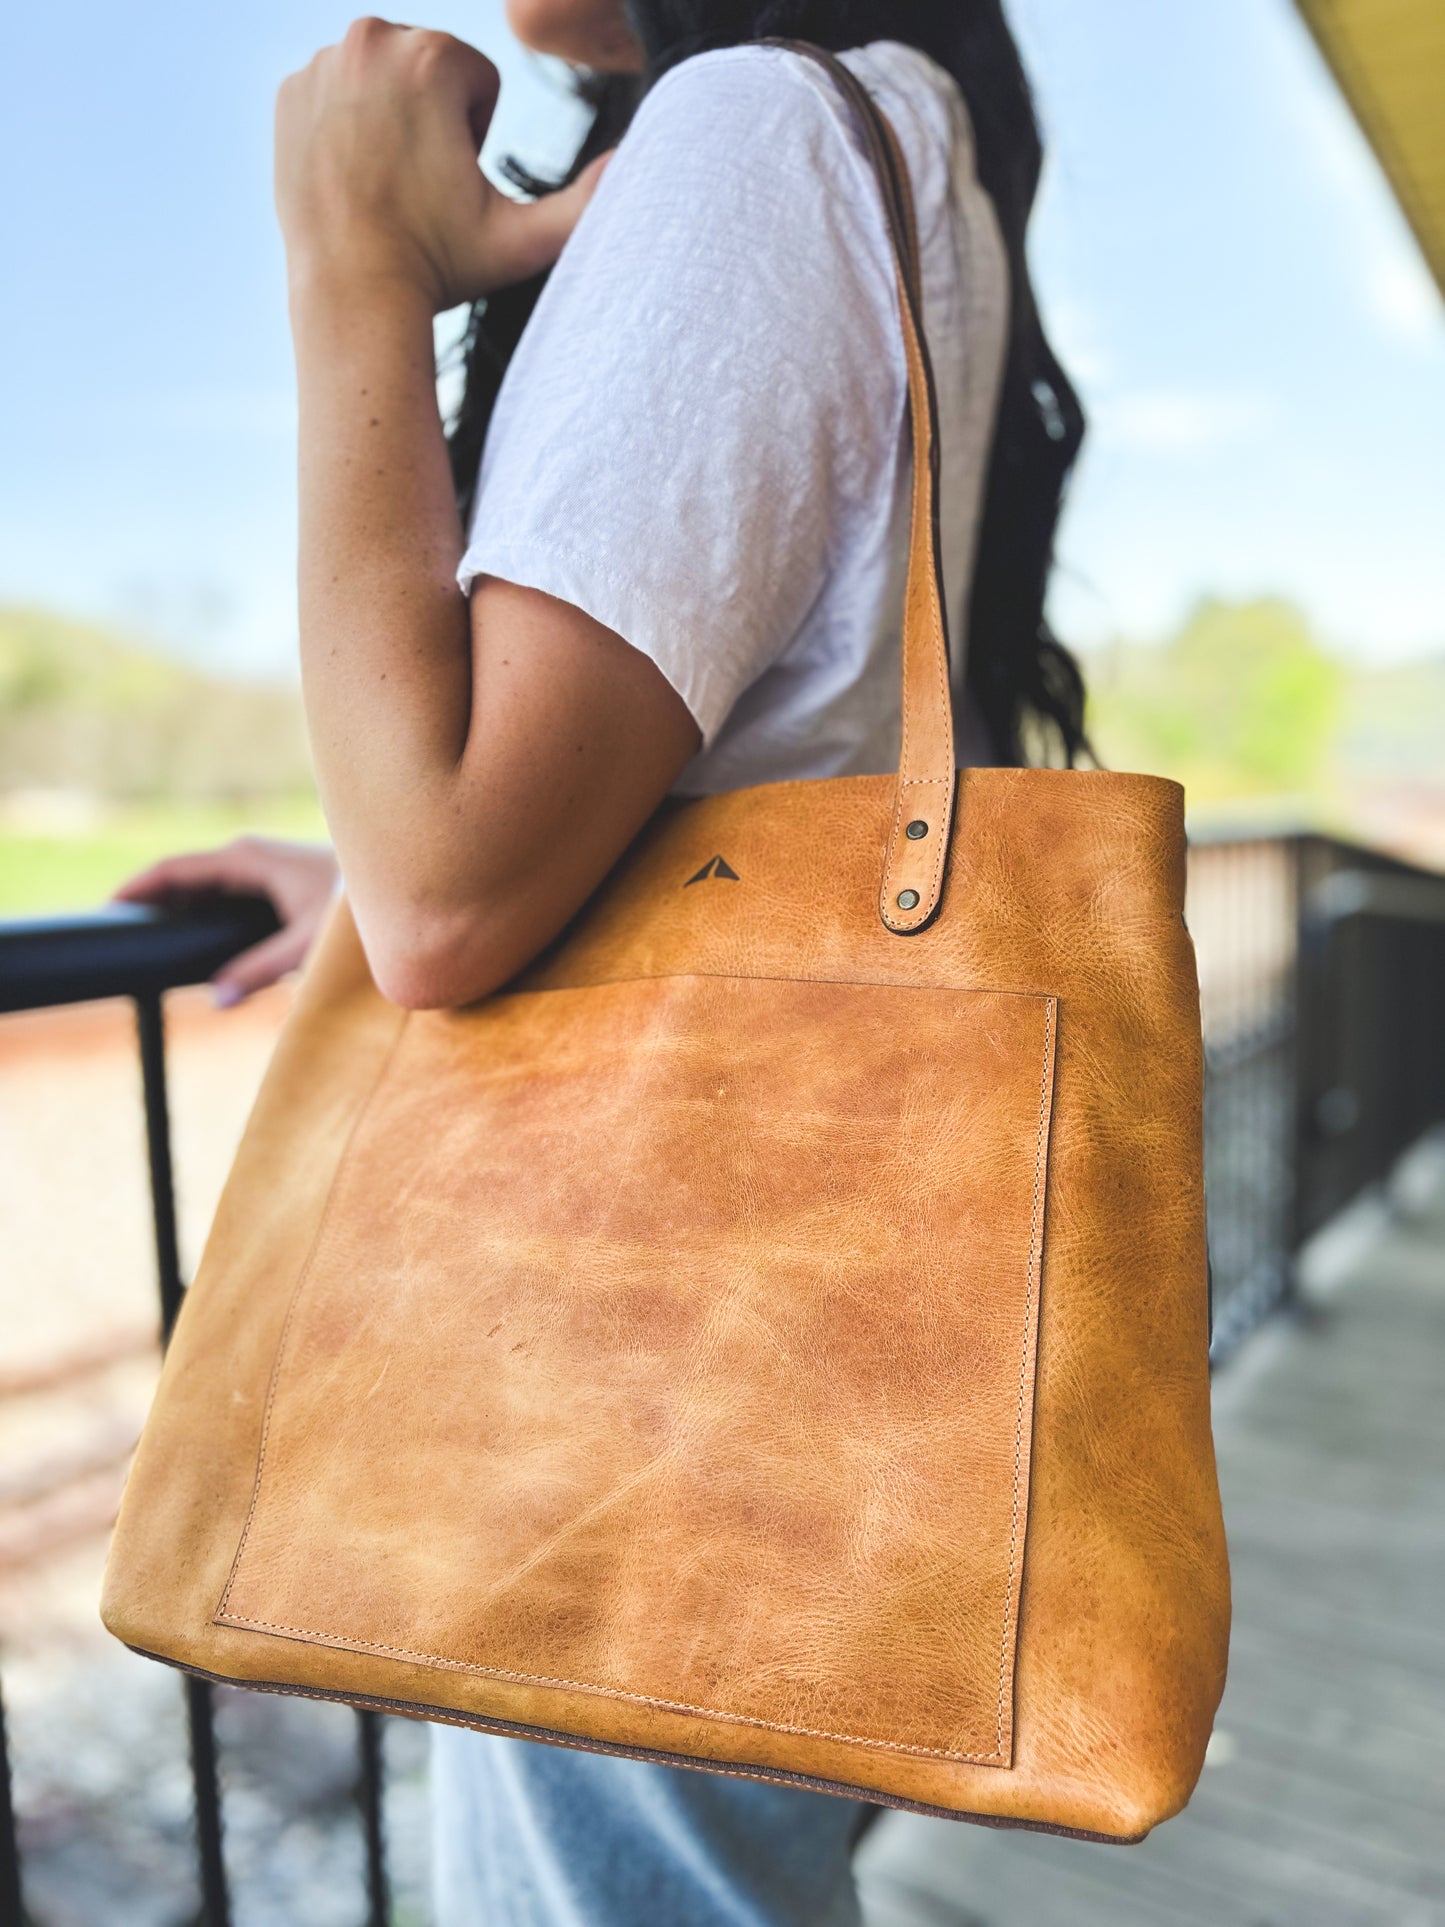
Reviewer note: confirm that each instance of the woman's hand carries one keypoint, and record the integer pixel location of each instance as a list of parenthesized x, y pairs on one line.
[(299, 878), (377, 179)]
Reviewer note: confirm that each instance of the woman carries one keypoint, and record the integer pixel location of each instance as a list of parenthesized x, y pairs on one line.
[(676, 567)]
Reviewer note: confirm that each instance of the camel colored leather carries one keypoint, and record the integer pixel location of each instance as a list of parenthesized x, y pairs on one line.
[(770, 1336), (927, 775)]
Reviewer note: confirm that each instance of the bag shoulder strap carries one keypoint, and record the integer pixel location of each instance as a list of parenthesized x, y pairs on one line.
[(913, 859)]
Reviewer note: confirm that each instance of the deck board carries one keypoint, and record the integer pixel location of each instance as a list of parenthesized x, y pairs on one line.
[(1325, 1806)]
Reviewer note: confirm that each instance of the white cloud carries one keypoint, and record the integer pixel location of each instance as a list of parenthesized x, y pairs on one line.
[(1178, 421)]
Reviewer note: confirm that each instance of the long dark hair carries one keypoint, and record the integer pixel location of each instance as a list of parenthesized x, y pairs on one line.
[(1026, 684)]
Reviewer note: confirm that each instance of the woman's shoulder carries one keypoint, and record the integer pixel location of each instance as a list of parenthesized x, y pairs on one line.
[(746, 113), (753, 95), (757, 75), (748, 146)]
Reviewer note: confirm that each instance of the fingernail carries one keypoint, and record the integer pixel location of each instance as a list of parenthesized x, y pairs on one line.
[(224, 995)]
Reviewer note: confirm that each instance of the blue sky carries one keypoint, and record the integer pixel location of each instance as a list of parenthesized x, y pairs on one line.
[(1261, 353)]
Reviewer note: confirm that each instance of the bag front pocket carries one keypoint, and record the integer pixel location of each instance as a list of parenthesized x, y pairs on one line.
[(674, 1340)]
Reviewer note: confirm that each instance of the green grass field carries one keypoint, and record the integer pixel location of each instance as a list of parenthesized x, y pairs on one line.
[(1243, 704), (45, 871)]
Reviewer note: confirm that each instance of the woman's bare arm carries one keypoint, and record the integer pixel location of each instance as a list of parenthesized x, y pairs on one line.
[(482, 764)]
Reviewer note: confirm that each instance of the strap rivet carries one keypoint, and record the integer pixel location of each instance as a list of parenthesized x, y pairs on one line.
[(916, 829), (907, 899)]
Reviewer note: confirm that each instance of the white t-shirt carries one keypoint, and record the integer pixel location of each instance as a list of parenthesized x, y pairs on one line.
[(701, 439)]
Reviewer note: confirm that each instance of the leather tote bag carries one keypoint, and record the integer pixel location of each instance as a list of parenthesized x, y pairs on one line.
[(768, 1336)]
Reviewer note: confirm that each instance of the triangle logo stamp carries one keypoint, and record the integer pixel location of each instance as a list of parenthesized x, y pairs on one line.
[(717, 867)]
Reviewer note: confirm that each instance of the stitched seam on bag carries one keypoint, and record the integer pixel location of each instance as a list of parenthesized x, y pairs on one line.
[(301, 1278), (605, 1692), (614, 1749), (1035, 1264), (222, 1616), (484, 1723), (425, 1715), (764, 977)]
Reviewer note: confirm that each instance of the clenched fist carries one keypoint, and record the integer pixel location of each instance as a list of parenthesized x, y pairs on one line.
[(377, 177)]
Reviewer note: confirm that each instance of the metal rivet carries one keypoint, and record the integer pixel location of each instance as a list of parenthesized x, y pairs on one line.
[(907, 899), (916, 829)]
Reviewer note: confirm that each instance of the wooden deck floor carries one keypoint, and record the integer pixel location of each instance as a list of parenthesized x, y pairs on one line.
[(1323, 1804)]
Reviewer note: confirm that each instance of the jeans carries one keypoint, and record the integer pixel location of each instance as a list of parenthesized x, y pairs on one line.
[(526, 1835)]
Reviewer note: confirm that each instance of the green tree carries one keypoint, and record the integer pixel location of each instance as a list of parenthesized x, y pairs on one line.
[(1241, 701)]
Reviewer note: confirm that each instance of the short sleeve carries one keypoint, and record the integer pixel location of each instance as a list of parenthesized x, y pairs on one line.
[(708, 383)]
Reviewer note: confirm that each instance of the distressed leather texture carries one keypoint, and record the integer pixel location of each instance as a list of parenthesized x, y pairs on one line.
[(770, 1336), (734, 1508)]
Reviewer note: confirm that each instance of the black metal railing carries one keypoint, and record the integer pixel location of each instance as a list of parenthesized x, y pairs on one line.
[(1371, 1069), (1241, 909), (141, 953), (1321, 970)]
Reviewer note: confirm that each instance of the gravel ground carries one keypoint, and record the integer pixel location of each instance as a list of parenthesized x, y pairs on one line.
[(97, 1736), (101, 1781)]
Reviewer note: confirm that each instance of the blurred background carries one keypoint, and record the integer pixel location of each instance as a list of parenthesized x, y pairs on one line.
[(1252, 566)]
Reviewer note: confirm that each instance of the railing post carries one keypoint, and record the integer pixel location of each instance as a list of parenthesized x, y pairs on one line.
[(150, 1029), (12, 1905), (150, 1026), (369, 1790), (200, 1720), (1299, 1072)]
